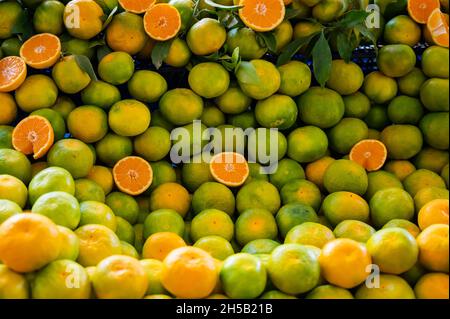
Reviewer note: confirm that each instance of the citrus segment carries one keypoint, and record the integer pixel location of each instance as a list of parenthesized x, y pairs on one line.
[(33, 135), (133, 175), (41, 51), (162, 22), (420, 10), (262, 15), (370, 154), (136, 6), (437, 25), (229, 168), (13, 72)]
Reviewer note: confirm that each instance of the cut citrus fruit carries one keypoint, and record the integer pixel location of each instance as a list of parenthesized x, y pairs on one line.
[(437, 25), (13, 72), (229, 168), (370, 154), (33, 135), (262, 15), (162, 22), (41, 51), (420, 10), (133, 175), (136, 6)]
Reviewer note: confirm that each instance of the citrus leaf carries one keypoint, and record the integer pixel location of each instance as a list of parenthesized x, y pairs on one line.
[(102, 51), (221, 6), (96, 43), (394, 8), (160, 52), (247, 73), (352, 19), (368, 34), (322, 59), (346, 44), (103, 5), (269, 40), (292, 13), (110, 17), (22, 25), (292, 48), (85, 64)]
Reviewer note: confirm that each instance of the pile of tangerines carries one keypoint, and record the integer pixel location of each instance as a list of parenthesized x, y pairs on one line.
[(240, 178)]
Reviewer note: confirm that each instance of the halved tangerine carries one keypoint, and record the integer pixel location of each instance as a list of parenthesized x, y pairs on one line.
[(133, 175), (262, 15), (437, 25), (41, 51), (420, 10), (162, 22), (136, 6), (13, 72), (33, 135), (370, 154), (229, 168)]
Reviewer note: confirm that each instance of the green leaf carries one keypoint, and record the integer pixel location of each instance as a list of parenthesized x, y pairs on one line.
[(322, 59), (228, 19), (232, 63), (352, 19), (110, 17), (22, 26), (346, 44), (368, 34), (96, 43), (221, 6), (160, 52), (247, 73), (269, 40), (102, 52), (292, 48), (103, 5), (85, 64), (394, 8), (292, 13)]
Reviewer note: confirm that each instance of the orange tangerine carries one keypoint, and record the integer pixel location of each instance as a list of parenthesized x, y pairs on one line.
[(420, 10), (13, 72), (136, 6), (434, 212), (41, 51), (370, 154), (262, 15), (159, 245), (229, 168), (437, 25), (162, 22), (33, 135), (133, 175)]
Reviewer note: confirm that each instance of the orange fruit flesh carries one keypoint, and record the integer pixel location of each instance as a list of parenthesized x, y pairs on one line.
[(437, 25), (33, 135), (133, 175), (13, 72), (137, 6), (262, 15), (41, 51), (370, 154), (162, 22), (420, 10), (229, 168)]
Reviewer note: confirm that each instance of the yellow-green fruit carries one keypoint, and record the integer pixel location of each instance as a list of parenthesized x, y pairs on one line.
[(346, 175), (295, 78), (64, 105), (346, 134), (56, 121), (379, 87), (396, 60), (113, 148), (284, 33), (181, 106), (432, 159), (212, 116), (329, 292), (206, 36), (233, 101), (434, 95), (435, 129), (329, 10), (179, 54), (212, 222), (13, 189), (303, 192), (321, 107), (405, 110), (12, 285), (411, 83), (255, 223), (428, 194), (76, 46), (340, 206), (116, 68), (402, 141), (435, 62), (126, 33), (10, 11), (100, 94), (9, 109), (256, 85), (83, 19), (278, 111), (69, 76), (311, 234), (400, 168), (88, 123), (402, 30), (307, 144), (129, 118), (354, 229), (345, 78), (48, 17), (37, 92), (389, 204), (213, 195), (420, 179), (258, 194), (147, 86), (391, 287), (247, 41), (381, 180), (209, 79), (16, 164), (154, 144), (356, 105)]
